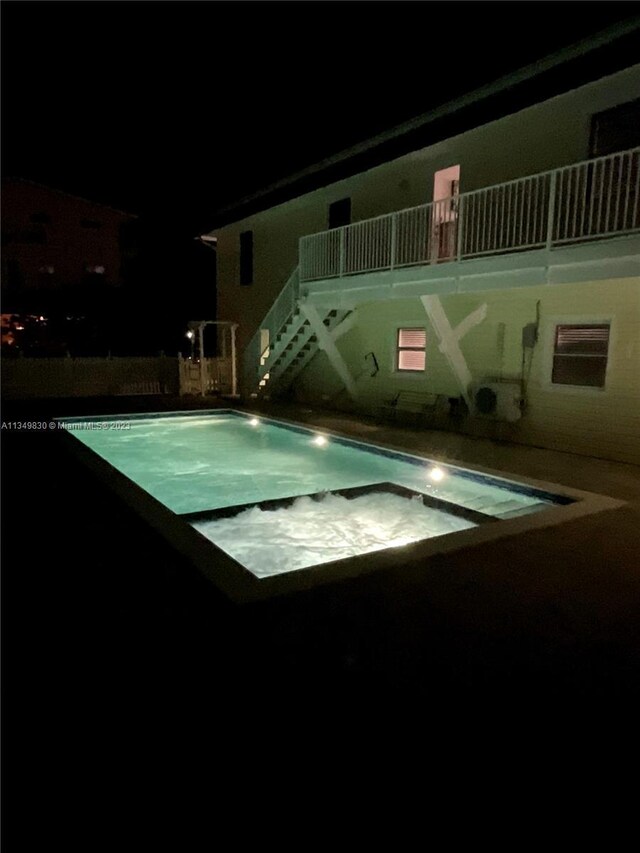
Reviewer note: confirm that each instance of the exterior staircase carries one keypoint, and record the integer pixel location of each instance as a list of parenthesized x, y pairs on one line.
[(292, 343), (292, 350)]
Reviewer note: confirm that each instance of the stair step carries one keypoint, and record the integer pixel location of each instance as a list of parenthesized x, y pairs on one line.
[(293, 348)]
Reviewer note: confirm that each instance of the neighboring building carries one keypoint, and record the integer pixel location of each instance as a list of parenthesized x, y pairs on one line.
[(491, 278), (52, 241)]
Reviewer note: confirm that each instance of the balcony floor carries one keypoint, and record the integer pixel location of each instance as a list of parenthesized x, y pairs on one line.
[(615, 257)]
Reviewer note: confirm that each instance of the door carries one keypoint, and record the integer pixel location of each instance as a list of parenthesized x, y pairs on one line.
[(612, 185), (444, 215)]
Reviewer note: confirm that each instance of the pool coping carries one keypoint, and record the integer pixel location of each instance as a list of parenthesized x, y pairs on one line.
[(242, 586)]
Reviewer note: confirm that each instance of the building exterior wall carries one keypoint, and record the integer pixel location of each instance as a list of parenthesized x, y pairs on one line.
[(51, 239), (599, 422), (545, 136)]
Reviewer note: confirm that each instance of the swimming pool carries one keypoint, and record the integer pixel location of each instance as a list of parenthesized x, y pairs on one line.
[(277, 498)]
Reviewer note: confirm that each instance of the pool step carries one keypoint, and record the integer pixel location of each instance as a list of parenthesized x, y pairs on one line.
[(500, 508)]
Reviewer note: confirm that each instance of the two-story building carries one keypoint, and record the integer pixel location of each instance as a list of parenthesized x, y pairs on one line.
[(52, 240), (490, 278)]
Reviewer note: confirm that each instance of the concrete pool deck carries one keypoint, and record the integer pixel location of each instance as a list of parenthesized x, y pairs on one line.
[(101, 604), (564, 598)]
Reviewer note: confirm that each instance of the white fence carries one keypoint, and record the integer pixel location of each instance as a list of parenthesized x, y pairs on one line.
[(24, 378), (212, 373), (582, 202)]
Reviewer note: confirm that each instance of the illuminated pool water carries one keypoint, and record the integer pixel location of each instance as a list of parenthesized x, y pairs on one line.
[(218, 469)]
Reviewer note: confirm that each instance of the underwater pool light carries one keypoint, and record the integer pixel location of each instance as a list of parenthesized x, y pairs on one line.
[(254, 421), (436, 474), (320, 440)]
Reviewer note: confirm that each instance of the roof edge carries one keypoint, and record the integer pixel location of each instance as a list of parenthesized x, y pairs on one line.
[(501, 85), (15, 179)]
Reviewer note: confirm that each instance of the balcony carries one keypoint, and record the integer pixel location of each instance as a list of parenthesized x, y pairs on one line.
[(537, 221)]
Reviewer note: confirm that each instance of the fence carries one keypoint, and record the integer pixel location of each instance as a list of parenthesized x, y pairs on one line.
[(585, 201), (213, 373), (24, 378)]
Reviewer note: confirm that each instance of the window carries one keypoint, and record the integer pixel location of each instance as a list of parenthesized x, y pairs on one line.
[(91, 223), (340, 213), (246, 257), (580, 355), (40, 218), (615, 130), (34, 235), (412, 345)]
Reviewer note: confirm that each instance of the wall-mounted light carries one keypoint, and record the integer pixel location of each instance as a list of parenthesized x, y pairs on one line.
[(207, 240)]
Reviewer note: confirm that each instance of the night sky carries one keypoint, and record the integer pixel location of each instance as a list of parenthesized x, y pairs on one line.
[(174, 109)]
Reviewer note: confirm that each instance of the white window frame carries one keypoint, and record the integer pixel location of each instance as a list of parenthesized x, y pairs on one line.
[(397, 348), (549, 344)]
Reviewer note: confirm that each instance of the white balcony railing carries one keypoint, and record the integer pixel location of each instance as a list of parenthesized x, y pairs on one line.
[(586, 201)]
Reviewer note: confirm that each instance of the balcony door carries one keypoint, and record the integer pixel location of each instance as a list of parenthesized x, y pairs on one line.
[(340, 213), (607, 182), (340, 218), (444, 216)]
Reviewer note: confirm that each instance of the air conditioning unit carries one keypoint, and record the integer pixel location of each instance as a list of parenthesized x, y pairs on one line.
[(498, 401)]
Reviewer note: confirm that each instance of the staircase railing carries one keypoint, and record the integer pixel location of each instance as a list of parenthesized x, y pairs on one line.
[(256, 355), (581, 202)]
